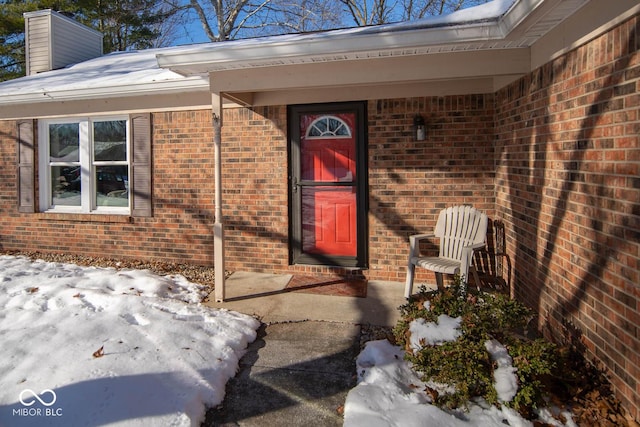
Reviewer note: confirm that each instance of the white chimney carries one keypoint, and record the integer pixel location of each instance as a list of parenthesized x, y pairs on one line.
[(54, 41)]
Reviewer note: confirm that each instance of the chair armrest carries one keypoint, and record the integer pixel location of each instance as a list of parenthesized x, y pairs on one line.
[(418, 237), (414, 240), (475, 246), (468, 250)]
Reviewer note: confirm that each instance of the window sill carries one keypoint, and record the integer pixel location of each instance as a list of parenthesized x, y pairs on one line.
[(73, 217)]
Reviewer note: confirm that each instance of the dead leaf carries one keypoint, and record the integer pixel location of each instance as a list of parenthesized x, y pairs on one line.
[(77, 295), (33, 290), (340, 410), (432, 393), (99, 352)]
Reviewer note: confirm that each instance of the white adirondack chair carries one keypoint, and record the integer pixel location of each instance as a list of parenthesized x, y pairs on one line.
[(461, 230)]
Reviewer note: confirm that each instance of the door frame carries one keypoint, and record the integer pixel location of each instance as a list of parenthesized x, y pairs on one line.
[(296, 255)]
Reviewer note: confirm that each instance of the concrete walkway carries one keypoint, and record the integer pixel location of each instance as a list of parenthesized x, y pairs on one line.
[(302, 365), (294, 374)]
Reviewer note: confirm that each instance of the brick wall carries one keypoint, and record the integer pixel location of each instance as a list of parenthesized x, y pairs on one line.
[(180, 230), (409, 181), (568, 188), (255, 199)]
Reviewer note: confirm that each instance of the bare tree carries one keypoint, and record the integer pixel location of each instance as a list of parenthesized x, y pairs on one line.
[(301, 16), (417, 9), (370, 12), (170, 28), (230, 19), (374, 12), (223, 19)]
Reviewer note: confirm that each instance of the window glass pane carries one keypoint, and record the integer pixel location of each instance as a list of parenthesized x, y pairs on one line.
[(112, 186), (65, 185), (64, 142), (325, 126), (338, 127), (110, 140)]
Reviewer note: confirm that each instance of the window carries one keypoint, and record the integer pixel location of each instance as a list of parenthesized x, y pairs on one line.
[(328, 127), (67, 151), (84, 165)]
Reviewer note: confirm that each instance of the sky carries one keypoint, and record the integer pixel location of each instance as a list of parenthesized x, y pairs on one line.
[(193, 32)]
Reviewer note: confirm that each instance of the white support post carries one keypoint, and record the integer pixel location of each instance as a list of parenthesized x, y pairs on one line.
[(218, 226)]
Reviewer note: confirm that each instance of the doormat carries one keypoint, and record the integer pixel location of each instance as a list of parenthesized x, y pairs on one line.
[(334, 286)]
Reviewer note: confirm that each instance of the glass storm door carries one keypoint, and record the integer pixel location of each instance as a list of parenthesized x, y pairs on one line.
[(326, 188)]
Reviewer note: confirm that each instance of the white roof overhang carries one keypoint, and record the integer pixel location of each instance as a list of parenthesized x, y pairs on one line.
[(121, 81), (82, 93), (453, 33), (480, 49), (476, 50)]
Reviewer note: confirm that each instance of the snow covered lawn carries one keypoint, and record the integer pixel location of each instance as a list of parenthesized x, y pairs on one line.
[(86, 346)]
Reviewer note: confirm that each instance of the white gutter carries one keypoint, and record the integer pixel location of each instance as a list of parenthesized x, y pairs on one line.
[(191, 84), (305, 49), (353, 43)]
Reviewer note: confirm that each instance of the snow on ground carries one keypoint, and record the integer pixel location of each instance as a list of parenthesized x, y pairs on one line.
[(390, 394), (86, 346), (162, 358)]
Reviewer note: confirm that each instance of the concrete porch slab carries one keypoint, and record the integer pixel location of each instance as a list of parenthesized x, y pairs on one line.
[(264, 296)]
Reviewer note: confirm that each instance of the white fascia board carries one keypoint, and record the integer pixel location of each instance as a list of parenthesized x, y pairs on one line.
[(517, 14), (348, 44), (351, 45), (192, 84)]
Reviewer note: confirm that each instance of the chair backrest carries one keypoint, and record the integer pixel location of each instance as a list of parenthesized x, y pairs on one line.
[(459, 226)]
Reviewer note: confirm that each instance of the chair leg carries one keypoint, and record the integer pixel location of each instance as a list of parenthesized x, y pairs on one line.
[(409, 282), (476, 278), (439, 281)]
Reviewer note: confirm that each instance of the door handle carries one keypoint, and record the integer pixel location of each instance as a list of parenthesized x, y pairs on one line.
[(295, 184)]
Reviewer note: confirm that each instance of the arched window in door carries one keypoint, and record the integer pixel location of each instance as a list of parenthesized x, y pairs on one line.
[(328, 127)]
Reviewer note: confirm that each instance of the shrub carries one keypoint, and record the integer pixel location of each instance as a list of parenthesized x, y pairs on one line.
[(466, 363)]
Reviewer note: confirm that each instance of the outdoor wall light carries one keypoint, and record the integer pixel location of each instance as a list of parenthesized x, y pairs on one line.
[(419, 128)]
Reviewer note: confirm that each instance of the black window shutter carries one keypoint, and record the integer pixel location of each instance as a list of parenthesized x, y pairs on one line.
[(26, 169), (140, 183)]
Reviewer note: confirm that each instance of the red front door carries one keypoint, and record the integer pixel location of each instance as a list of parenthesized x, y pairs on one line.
[(328, 184), (328, 174)]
